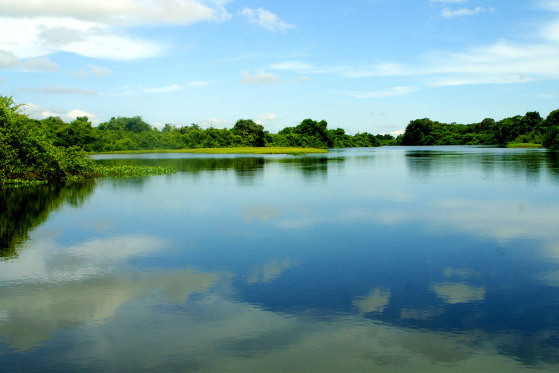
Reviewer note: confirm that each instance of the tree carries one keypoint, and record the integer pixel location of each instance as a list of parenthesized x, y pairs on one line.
[(251, 133), (418, 132), (551, 139), (27, 151)]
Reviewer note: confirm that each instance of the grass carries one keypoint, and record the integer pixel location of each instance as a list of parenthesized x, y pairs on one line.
[(526, 145), (242, 150)]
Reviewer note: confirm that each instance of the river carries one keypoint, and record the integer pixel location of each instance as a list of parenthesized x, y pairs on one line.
[(392, 259)]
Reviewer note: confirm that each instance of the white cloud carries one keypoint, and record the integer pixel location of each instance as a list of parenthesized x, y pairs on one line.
[(552, 5), (36, 37), (266, 19), (259, 78), (267, 117), (390, 92), (92, 70), (67, 116), (40, 64), (448, 13), (293, 65), (60, 90), (381, 69), (200, 83), (166, 89), (8, 60), (95, 28), (120, 12)]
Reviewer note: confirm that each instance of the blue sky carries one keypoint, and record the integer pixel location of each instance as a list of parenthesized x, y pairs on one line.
[(362, 65)]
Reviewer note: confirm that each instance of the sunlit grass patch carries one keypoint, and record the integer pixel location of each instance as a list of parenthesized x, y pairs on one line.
[(240, 150), (525, 145)]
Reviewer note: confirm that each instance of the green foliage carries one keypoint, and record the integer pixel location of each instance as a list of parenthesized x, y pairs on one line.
[(527, 129), (418, 132), (28, 152), (250, 133), (551, 139)]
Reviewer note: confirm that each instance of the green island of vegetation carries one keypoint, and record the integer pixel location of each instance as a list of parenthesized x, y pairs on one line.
[(36, 151)]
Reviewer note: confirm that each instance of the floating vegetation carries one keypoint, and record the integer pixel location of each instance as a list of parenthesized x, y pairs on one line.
[(133, 171), (16, 183)]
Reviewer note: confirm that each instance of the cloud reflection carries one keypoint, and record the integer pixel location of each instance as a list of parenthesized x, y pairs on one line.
[(453, 293), (375, 301), (269, 271)]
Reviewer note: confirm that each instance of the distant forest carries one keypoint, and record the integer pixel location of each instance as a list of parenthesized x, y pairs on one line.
[(133, 133)]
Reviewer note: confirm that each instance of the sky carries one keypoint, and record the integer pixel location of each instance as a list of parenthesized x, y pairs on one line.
[(362, 65)]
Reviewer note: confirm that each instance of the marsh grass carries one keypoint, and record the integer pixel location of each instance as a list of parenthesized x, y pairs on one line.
[(240, 150), (524, 145)]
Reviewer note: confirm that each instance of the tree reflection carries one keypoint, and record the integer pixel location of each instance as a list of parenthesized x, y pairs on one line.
[(23, 209), (422, 163)]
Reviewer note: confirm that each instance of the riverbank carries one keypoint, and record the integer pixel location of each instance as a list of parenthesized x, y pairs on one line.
[(234, 150)]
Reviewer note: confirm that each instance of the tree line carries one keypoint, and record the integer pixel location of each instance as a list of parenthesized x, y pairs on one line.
[(133, 133), (528, 129)]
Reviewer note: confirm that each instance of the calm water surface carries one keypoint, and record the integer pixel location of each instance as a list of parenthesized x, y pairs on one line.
[(387, 259)]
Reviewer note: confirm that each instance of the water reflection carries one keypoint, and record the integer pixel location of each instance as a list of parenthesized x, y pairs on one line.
[(424, 162), (336, 263), (22, 209), (247, 168)]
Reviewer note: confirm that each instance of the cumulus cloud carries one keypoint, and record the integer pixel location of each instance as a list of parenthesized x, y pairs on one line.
[(95, 28), (120, 12), (259, 78), (265, 19), (36, 37)]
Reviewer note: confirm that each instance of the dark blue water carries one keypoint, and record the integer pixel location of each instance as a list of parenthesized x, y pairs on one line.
[(385, 259)]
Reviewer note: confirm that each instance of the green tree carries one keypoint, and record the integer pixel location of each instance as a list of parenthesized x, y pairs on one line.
[(418, 132), (251, 133)]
